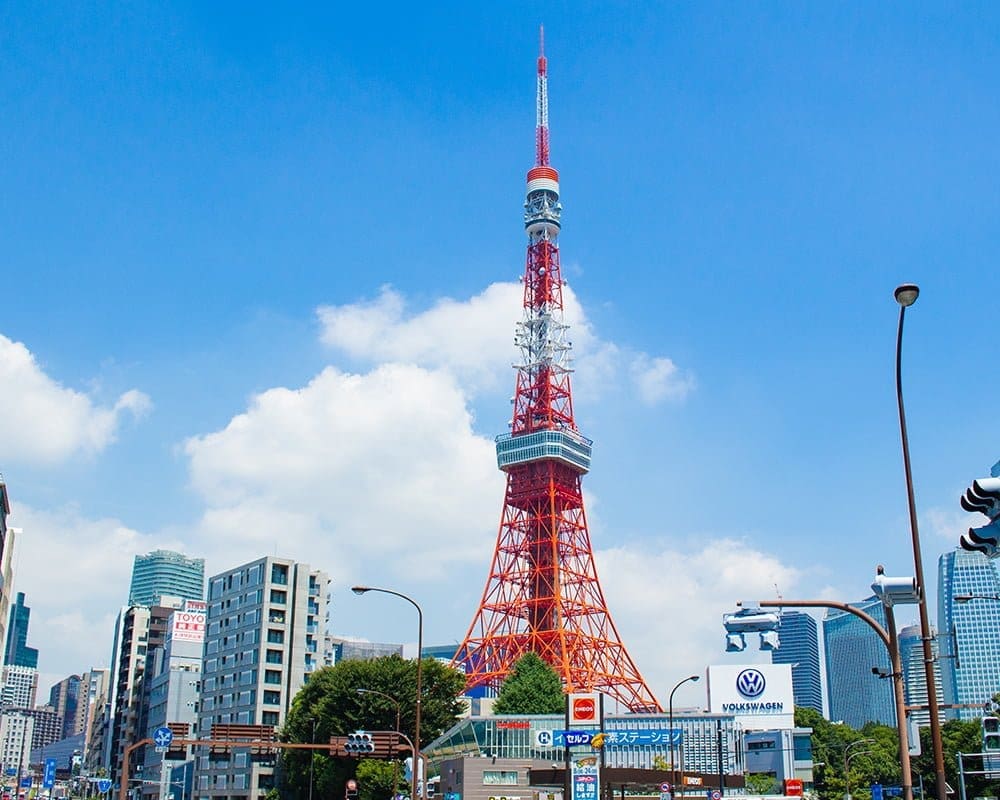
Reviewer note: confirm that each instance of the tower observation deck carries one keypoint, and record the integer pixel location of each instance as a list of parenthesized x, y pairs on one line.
[(542, 594)]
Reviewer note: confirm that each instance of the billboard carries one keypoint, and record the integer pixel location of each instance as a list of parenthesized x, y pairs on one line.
[(187, 626), (758, 695)]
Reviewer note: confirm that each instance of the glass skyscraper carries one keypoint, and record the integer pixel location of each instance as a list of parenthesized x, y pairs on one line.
[(164, 572), (800, 648), (852, 648), (18, 653), (911, 653), (971, 628)]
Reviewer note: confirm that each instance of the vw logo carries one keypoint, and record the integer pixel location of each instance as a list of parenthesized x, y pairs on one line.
[(750, 683)]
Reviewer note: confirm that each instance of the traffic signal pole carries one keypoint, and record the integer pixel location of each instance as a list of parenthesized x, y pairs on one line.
[(892, 646)]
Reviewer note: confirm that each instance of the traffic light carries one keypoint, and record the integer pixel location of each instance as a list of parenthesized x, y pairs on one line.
[(751, 620), (991, 735), (359, 743), (983, 497)]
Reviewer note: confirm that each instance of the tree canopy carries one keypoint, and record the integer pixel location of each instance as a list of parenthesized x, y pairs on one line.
[(532, 687), (331, 705)]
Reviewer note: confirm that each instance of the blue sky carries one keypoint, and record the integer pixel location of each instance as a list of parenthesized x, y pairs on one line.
[(204, 205)]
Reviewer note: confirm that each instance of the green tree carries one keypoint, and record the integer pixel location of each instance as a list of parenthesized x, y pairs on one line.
[(377, 780), (957, 736), (532, 687), (330, 705)]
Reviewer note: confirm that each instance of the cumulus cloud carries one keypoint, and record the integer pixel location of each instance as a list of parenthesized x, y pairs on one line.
[(44, 422), (474, 340), (350, 468), (79, 570), (668, 602), (656, 379)]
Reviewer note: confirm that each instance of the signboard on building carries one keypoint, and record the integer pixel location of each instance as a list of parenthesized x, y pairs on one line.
[(188, 626), (758, 695), (195, 605)]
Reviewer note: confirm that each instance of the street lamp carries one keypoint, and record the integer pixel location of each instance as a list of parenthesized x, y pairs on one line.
[(395, 703), (312, 758), (847, 763), (965, 598), (670, 716), (906, 296), (420, 649)]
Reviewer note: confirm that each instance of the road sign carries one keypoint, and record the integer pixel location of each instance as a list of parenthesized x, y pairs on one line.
[(104, 785), (163, 736), (665, 787), (715, 794), (11, 771)]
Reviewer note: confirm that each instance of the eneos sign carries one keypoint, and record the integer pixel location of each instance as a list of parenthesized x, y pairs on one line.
[(584, 709)]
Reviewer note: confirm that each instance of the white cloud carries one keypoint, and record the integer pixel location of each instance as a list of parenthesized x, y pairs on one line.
[(668, 605), (474, 340), (76, 574), (350, 469), (657, 379), (43, 421)]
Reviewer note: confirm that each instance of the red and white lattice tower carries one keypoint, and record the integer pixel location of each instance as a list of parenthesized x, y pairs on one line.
[(542, 594)]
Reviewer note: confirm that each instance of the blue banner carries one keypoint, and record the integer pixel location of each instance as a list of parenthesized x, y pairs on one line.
[(49, 775)]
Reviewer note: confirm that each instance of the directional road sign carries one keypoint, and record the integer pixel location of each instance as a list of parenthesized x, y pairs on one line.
[(104, 786), (163, 736)]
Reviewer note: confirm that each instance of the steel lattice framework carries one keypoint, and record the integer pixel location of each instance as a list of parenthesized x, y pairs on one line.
[(543, 594)]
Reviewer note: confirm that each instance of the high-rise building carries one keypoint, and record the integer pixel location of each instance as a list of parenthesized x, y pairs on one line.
[(7, 538), (164, 572), (64, 697), (852, 648), (542, 592), (800, 648), (140, 630), (173, 677), (20, 687), (18, 653), (971, 675), (16, 731), (94, 690), (263, 640), (911, 654)]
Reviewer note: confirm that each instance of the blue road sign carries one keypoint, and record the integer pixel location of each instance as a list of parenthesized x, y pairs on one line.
[(163, 736), (49, 774), (10, 771), (104, 786), (26, 782), (876, 791)]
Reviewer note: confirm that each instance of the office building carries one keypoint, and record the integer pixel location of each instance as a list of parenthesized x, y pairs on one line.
[(800, 648), (164, 572), (94, 693), (173, 675), (18, 653), (64, 697), (20, 687), (7, 538), (337, 649), (971, 675), (911, 653), (263, 640), (851, 649), (16, 731)]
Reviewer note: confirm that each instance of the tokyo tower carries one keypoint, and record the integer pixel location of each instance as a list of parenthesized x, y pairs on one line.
[(542, 594)]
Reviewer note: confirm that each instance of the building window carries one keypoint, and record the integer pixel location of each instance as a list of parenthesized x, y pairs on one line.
[(279, 574), (275, 637), (499, 777), (272, 698), (269, 718), (272, 676), (274, 657), (278, 596)]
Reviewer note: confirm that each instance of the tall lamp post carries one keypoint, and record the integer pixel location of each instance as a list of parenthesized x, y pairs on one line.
[(906, 296), (847, 764), (395, 704), (670, 717), (420, 650)]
